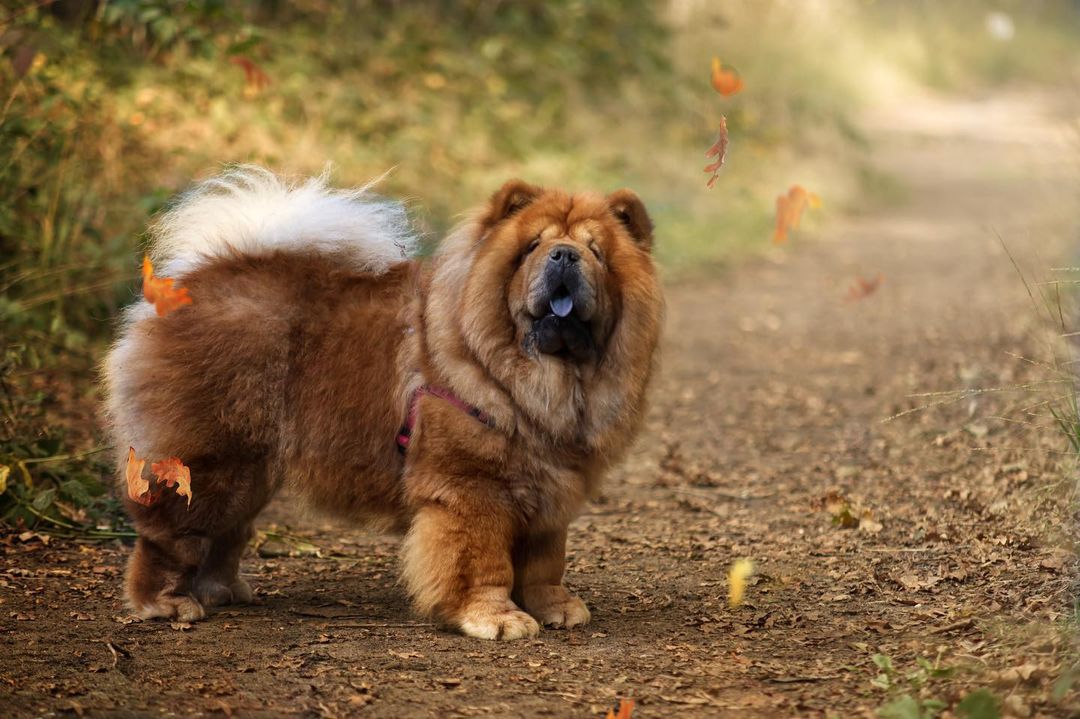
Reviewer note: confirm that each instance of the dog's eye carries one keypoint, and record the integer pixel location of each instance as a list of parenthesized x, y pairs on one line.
[(596, 251), (532, 246)]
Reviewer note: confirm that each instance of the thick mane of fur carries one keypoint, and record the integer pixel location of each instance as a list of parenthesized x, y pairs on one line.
[(250, 210)]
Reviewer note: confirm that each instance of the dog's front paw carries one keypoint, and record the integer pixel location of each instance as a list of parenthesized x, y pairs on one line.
[(179, 607), (497, 620), (553, 606), (213, 593)]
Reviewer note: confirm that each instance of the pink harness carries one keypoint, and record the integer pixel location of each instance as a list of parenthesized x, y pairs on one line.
[(405, 434)]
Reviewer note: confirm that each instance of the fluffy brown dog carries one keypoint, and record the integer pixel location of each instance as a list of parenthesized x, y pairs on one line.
[(511, 367)]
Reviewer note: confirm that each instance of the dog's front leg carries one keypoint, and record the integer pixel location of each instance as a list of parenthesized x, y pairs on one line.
[(457, 567), (539, 563)]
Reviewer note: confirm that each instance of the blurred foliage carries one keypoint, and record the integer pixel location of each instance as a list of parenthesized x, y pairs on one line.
[(112, 106), (971, 46)]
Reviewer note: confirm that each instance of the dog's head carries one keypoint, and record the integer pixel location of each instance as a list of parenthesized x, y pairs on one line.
[(562, 261), (557, 296)]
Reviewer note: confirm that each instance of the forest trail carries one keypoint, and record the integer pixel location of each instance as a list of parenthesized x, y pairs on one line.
[(772, 397)]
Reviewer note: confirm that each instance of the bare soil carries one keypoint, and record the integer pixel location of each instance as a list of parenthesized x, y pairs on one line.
[(767, 416)]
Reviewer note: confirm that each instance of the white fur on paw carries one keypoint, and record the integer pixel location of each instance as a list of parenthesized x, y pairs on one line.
[(501, 621), (566, 612), (178, 607)]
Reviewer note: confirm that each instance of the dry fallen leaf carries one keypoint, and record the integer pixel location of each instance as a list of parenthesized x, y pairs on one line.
[(789, 210), (719, 151), (725, 78), (845, 514), (863, 288), (172, 472), (160, 292), (137, 487), (741, 570), (780, 233)]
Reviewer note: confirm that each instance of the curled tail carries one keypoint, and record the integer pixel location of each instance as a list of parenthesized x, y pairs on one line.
[(250, 210)]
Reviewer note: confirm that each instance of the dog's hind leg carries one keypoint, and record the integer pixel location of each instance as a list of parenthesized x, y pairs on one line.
[(160, 574), (218, 581), (187, 559)]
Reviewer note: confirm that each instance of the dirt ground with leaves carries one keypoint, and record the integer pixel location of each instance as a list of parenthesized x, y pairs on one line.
[(941, 534)]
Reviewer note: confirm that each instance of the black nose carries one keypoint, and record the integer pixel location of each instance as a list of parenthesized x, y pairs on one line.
[(564, 254)]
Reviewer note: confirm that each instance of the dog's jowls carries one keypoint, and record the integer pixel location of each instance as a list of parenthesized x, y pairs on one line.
[(298, 363)]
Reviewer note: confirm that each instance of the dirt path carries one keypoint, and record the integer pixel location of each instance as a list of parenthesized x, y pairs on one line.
[(772, 397)]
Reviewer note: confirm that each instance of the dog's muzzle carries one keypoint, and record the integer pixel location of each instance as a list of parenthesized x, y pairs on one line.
[(563, 302)]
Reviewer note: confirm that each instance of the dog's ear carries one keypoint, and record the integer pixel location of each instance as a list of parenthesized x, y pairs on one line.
[(630, 211), (511, 198)]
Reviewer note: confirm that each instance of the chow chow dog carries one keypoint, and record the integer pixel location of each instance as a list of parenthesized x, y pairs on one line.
[(471, 400)]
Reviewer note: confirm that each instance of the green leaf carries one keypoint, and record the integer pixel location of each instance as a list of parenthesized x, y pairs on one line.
[(906, 707), (979, 704), (44, 499), (933, 707), (883, 662), (881, 681), (1063, 685)]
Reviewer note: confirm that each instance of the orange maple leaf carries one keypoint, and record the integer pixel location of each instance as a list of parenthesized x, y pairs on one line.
[(719, 151), (137, 487), (725, 78), (172, 472), (159, 291), (626, 708), (789, 210), (863, 288)]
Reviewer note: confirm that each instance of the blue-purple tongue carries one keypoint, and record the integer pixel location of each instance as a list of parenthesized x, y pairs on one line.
[(562, 305)]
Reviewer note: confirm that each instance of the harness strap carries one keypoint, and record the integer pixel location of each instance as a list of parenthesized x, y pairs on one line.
[(405, 434)]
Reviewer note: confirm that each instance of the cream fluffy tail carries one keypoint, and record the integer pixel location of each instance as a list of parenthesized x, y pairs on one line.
[(250, 210)]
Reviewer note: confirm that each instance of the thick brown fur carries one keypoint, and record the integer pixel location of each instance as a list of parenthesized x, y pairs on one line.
[(294, 368)]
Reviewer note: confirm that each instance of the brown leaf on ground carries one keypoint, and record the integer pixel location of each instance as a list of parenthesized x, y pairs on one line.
[(845, 514)]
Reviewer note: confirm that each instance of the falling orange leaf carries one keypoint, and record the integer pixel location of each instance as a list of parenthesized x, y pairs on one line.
[(626, 708), (172, 472), (725, 78), (719, 151), (780, 233), (159, 291), (789, 210), (255, 79), (137, 487), (863, 288)]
